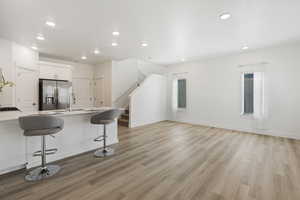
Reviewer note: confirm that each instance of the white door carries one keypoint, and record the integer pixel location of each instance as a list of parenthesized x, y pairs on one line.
[(27, 90), (99, 92), (82, 92)]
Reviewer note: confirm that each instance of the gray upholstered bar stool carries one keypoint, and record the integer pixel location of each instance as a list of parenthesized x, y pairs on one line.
[(105, 118), (42, 125)]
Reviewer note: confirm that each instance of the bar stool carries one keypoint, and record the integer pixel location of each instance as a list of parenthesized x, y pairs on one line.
[(105, 118), (42, 125)]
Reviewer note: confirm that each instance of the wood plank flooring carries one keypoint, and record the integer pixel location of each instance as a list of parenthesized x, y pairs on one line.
[(173, 161)]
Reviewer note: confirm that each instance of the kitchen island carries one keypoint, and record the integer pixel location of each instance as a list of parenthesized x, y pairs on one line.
[(77, 137)]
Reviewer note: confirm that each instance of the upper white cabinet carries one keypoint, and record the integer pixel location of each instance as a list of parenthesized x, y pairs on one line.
[(82, 92), (83, 71), (27, 89), (55, 71), (24, 57), (83, 84)]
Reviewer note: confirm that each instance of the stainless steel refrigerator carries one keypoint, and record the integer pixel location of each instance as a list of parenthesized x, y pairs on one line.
[(54, 94)]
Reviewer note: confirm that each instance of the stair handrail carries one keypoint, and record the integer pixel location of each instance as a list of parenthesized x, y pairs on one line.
[(133, 91), (130, 90)]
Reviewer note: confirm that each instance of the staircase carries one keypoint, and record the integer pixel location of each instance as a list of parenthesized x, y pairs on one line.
[(124, 119), (123, 100)]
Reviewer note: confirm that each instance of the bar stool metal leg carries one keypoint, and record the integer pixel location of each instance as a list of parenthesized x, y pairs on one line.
[(105, 151), (44, 171)]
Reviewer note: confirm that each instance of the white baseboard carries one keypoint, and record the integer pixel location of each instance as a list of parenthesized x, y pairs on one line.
[(270, 132), (11, 169)]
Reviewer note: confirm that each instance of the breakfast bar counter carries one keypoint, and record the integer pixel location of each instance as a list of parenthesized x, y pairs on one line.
[(77, 137)]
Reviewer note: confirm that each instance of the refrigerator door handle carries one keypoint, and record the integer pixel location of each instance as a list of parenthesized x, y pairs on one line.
[(56, 96), (74, 98)]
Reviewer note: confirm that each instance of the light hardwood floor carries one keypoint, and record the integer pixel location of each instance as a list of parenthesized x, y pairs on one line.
[(177, 161)]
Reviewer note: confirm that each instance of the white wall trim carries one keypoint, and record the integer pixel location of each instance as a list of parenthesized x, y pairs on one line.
[(11, 169), (275, 133)]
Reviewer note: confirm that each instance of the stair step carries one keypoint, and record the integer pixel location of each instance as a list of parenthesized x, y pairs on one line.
[(123, 122), (124, 119), (125, 116)]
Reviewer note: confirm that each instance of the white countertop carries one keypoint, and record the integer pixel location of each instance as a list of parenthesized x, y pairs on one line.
[(14, 115)]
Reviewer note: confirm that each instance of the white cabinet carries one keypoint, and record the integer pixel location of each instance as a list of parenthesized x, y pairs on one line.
[(55, 71), (27, 89), (7, 95), (24, 57), (14, 56), (99, 92), (83, 84), (82, 92)]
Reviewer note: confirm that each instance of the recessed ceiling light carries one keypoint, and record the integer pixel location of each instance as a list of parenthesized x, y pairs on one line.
[(83, 57), (144, 44), (50, 24), (114, 44), (245, 47), (116, 33), (34, 47), (40, 37), (182, 59), (96, 51), (225, 16)]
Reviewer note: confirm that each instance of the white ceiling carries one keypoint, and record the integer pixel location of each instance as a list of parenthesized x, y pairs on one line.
[(174, 29)]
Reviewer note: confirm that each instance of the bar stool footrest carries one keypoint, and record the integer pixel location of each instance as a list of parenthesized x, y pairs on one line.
[(48, 152), (100, 138)]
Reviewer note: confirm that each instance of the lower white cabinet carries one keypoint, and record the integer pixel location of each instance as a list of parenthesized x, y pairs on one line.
[(55, 71)]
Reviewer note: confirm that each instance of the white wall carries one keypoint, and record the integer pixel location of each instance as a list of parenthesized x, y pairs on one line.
[(124, 76), (148, 103), (214, 91), (148, 68)]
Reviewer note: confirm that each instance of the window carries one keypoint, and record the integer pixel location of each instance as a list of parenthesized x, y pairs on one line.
[(248, 93), (252, 94), (181, 93)]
